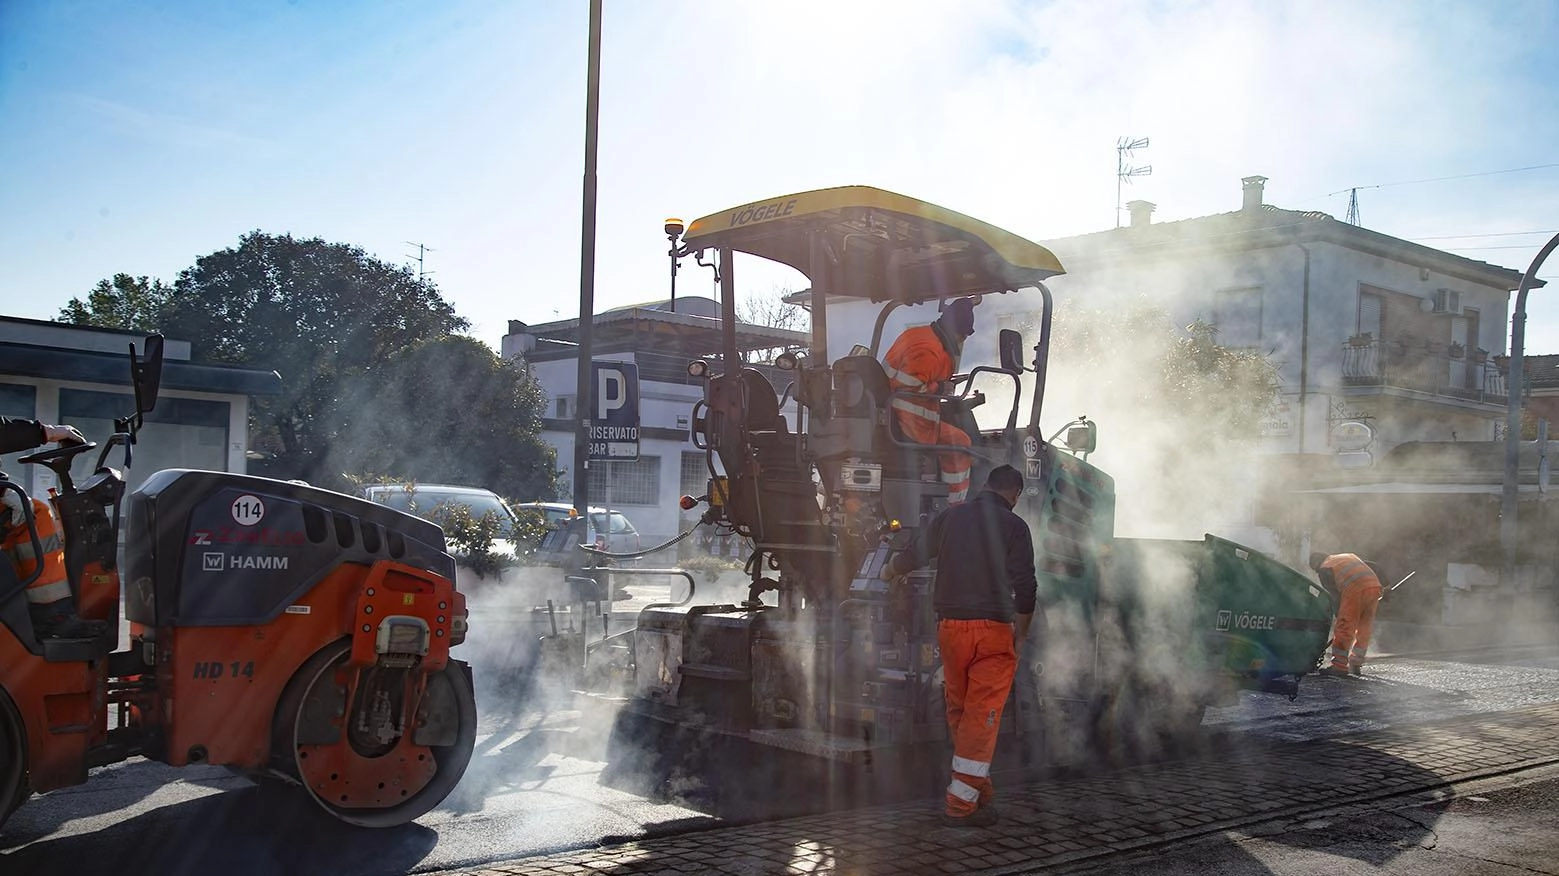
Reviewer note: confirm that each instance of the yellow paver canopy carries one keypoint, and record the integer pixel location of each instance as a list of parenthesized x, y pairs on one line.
[(864, 242)]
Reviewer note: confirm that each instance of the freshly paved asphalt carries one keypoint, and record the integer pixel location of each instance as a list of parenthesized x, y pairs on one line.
[(1124, 821)]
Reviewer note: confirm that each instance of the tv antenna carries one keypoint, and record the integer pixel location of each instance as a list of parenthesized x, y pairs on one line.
[(1124, 171), (420, 258)]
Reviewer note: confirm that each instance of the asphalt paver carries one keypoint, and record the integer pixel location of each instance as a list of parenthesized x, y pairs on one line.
[(1083, 821)]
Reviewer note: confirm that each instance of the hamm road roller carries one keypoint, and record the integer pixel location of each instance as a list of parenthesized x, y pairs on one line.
[(286, 632), (1133, 640)]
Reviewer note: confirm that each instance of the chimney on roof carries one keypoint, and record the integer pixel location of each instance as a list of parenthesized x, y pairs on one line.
[(1254, 186), (1141, 213), (518, 342)]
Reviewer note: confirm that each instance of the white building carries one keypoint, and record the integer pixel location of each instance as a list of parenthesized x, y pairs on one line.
[(661, 343), (61, 373), (1377, 341), (1363, 326)]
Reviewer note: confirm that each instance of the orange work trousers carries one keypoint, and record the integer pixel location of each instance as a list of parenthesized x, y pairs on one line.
[(1355, 622), (955, 465), (979, 660)]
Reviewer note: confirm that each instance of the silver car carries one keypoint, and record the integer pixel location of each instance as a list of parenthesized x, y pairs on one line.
[(425, 500), (610, 531)]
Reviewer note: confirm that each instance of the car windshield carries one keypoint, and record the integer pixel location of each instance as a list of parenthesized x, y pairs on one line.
[(427, 504)]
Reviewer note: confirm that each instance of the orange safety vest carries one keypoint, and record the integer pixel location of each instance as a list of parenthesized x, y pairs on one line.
[(917, 362), (53, 585), (1348, 569)]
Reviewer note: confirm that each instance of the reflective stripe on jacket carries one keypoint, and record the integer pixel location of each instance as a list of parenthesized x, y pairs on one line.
[(918, 361), (52, 585)]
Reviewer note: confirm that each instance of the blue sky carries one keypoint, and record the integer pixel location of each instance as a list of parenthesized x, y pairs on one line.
[(138, 136)]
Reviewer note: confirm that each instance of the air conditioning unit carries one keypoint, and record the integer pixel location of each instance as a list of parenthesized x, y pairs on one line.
[(1447, 301)]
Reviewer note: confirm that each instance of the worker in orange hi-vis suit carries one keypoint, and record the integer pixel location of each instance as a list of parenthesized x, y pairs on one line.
[(1358, 592), (985, 598), (49, 599), (922, 360)]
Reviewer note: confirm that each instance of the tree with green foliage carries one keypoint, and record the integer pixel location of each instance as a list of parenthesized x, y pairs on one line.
[(1179, 413), (339, 326), (1136, 359), (315, 312), (448, 410), (126, 302)]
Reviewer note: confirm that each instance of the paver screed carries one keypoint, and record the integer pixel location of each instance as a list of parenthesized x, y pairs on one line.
[(1059, 821)]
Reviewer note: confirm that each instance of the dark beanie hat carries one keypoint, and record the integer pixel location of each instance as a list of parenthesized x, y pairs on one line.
[(958, 316)]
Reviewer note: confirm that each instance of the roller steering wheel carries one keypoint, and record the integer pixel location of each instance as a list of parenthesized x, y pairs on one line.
[(64, 451)]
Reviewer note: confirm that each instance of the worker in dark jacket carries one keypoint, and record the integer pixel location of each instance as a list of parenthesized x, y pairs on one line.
[(49, 598), (984, 601)]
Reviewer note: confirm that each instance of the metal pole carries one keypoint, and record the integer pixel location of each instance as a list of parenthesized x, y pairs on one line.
[(584, 392), (1513, 380), (728, 355)]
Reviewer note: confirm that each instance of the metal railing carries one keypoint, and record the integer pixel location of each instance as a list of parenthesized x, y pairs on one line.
[(1431, 367)]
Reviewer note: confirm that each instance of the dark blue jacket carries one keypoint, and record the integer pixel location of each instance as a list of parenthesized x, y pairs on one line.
[(985, 560), (18, 434)]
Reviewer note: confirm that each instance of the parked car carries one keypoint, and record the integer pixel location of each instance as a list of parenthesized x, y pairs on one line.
[(610, 531), (431, 501)]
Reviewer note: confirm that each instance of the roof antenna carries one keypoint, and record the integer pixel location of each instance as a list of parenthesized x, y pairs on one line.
[(1123, 171)]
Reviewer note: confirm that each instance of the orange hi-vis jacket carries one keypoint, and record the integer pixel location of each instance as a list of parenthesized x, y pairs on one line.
[(919, 362), (1358, 595), (53, 585)]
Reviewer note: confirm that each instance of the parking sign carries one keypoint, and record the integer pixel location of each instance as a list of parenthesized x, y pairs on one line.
[(613, 427)]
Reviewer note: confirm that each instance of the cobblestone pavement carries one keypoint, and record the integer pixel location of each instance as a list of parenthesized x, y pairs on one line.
[(1070, 820)]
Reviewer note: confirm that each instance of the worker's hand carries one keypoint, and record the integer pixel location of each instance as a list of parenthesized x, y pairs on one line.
[(62, 434), (10, 508), (1020, 629), (890, 571)]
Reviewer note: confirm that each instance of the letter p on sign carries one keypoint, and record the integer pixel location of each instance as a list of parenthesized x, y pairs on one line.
[(611, 392)]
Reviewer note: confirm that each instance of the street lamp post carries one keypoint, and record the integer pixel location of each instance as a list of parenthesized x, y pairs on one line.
[(1513, 380), (674, 228), (582, 395)]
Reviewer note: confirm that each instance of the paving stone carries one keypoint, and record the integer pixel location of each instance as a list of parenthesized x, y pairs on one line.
[(1058, 820)]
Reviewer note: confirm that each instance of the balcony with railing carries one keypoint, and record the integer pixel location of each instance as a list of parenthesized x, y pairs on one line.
[(1447, 370)]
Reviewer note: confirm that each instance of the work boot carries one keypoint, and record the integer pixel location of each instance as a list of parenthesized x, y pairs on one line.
[(985, 816), (1356, 669), (1333, 672), (68, 626)]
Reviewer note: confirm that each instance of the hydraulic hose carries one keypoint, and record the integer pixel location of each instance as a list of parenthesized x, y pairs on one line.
[(634, 555)]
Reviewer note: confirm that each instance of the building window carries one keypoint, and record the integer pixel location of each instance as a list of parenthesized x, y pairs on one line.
[(17, 400), (1237, 316), (695, 473), (625, 482), (178, 433), (1371, 315), (1023, 322)]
